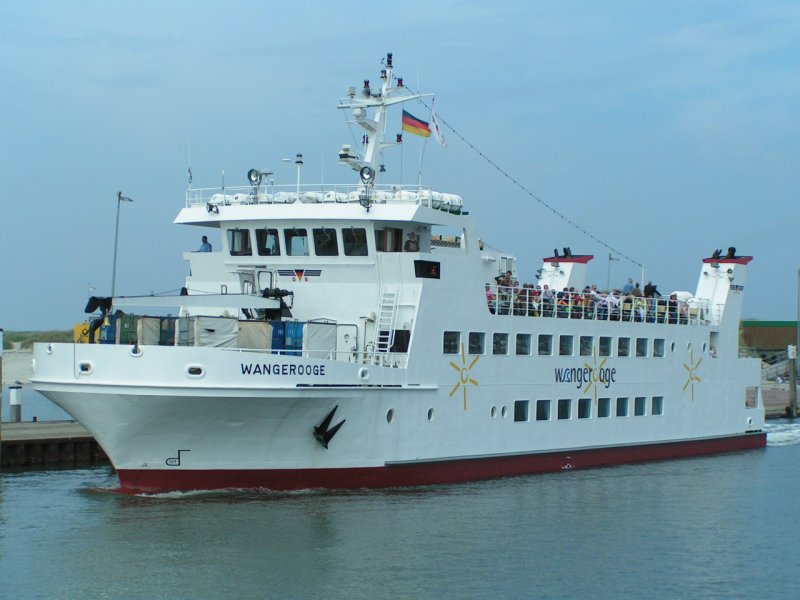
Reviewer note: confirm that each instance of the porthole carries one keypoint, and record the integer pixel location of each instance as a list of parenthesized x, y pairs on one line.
[(494, 412), (749, 420), (195, 371), (672, 347), (705, 347), (503, 412), (390, 415), (363, 373), (430, 414), (688, 346), (49, 348), (85, 368), (136, 350)]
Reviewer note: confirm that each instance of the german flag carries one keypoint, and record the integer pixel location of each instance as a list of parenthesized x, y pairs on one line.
[(414, 125)]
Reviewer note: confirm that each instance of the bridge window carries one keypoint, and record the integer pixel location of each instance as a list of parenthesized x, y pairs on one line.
[(355, 241), (239, 242), (389, 239), (296, 242), (325, 243), (268, 242)]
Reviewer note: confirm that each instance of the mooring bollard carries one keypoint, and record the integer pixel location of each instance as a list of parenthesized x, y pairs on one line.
[(15, 402)]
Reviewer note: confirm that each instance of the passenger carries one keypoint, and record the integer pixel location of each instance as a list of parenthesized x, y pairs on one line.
[(636, 292), (205, 246), (547, 301), (672, 308), (628, 287), (490, 298), (412, 243)]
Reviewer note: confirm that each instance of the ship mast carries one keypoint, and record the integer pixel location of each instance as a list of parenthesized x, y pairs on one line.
[(391, 92)]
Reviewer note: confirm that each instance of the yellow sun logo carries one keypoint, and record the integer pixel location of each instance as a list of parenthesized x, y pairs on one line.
[(691, 368), (594, 370), (464, 378)]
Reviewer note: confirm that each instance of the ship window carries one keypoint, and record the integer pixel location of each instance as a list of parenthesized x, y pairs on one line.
[(477, 342), (354, 240), (545, 344), (641, 346), (639, 406), (565, 345), (622, 407), (296, 242), (239, 242), (624, 346), (389, 239), (584, 408), (268, 242), (604, 347), (564, 406), (451, 343), (524, 344), (543, 410), (520, 410), (604, 407), (500, 343), (657, 406), (586, 343), (658, 347), (325, 243)]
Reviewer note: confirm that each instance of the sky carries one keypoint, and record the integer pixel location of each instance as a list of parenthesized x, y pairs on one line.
[(664, 130)]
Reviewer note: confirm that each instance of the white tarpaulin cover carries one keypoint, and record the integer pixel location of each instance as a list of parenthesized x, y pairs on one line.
[(256, 335), (319, 340), (148, 331)]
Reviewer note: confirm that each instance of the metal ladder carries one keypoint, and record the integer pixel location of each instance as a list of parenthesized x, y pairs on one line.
[(384, 324)]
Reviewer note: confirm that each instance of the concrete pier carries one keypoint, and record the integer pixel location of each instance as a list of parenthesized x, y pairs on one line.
[(49, 443)]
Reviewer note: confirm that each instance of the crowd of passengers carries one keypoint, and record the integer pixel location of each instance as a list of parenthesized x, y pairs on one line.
[(631, 303)]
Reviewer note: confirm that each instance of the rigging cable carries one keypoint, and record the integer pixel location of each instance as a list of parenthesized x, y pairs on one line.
[(530, 193)]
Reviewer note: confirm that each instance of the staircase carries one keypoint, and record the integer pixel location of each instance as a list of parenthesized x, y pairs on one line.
[(384, 325)]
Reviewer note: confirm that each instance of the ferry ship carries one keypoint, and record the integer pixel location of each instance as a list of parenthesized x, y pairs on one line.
[(363, 336)]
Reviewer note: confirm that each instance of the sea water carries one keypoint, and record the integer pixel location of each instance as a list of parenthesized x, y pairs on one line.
[(721, 526)]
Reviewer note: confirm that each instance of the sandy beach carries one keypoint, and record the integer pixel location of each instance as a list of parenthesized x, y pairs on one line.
[(17, 366)]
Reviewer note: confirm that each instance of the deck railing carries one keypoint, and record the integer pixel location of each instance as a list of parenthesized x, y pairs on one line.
[(502, 300)]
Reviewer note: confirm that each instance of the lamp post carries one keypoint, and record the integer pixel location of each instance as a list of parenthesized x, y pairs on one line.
[(120, 200)]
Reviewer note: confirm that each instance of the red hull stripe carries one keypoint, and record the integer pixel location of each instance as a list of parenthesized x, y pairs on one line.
[(427, 473)]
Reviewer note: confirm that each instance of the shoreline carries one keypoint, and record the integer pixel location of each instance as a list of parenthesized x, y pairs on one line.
[(17, 366)]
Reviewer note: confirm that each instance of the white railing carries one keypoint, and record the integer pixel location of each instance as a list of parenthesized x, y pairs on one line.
[(530, 302), (328, 193)]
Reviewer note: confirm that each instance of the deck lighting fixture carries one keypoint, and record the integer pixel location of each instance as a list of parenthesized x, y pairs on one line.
[(367, 175)]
